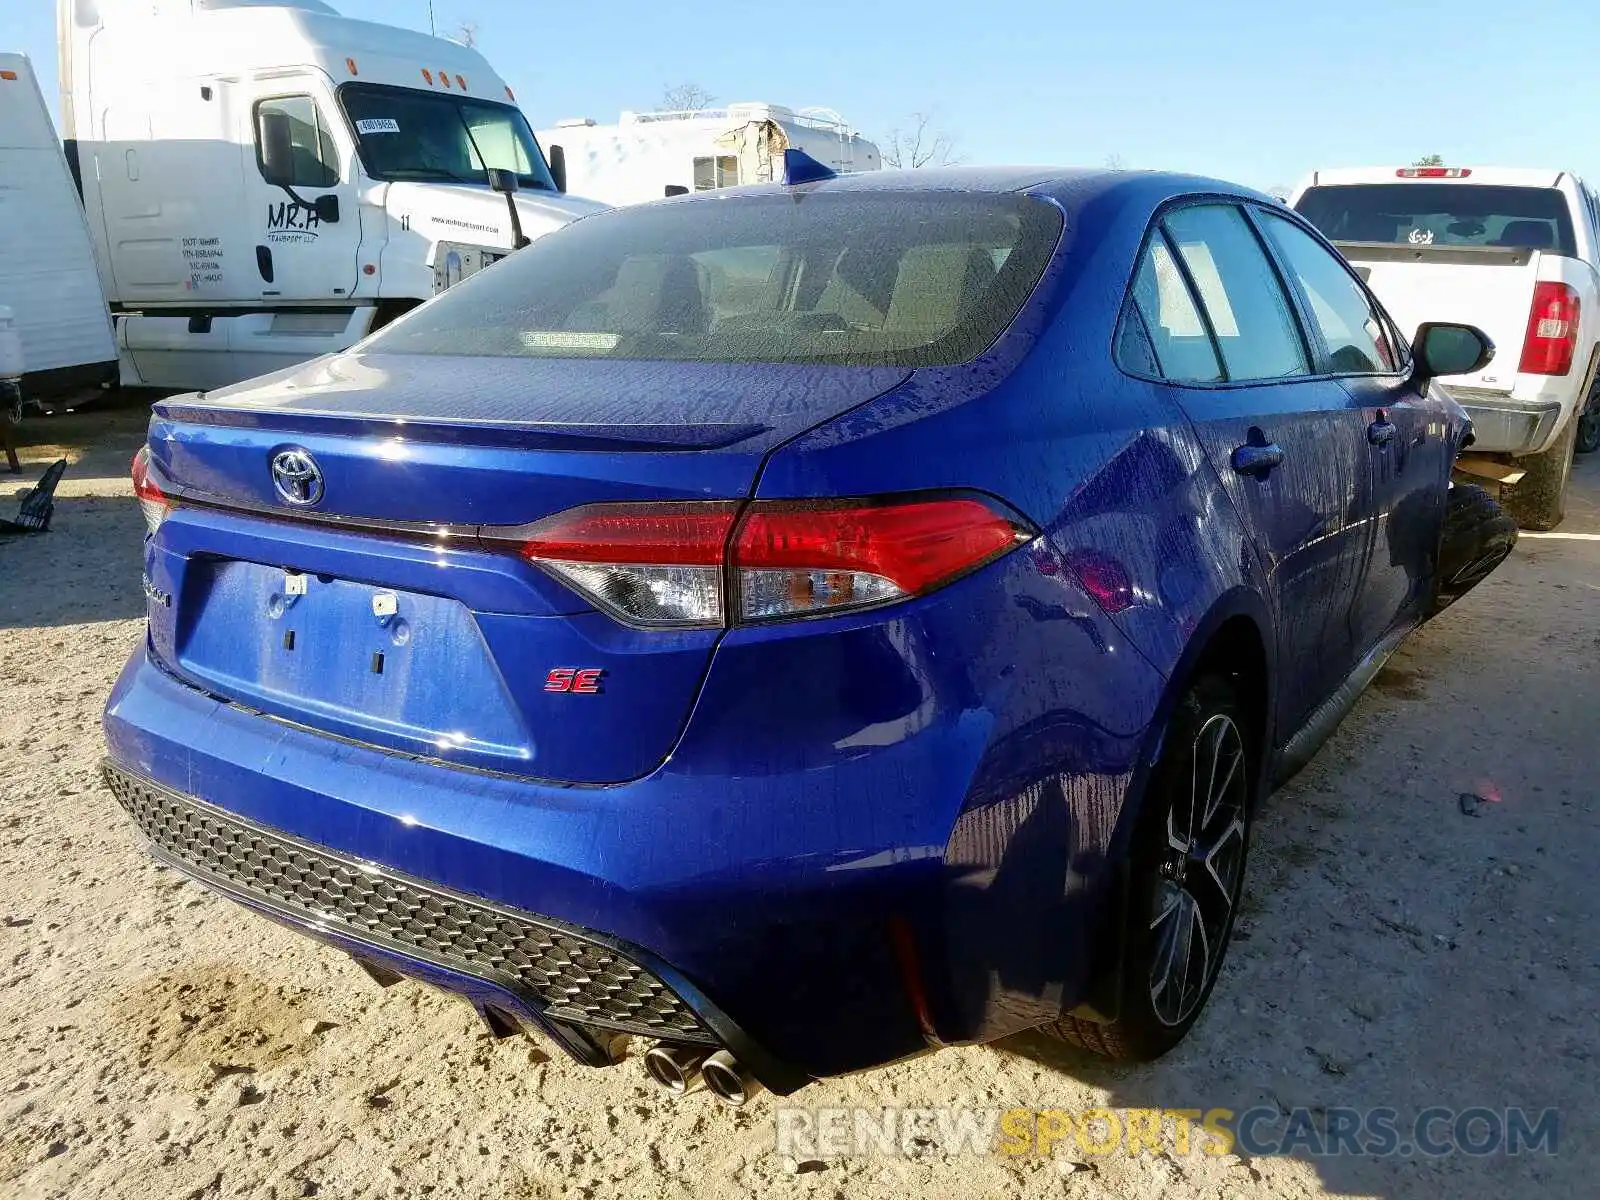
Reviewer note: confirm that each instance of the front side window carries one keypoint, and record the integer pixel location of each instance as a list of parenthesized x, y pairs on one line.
[(1353, 331), (1256, 331), (407, 134), (854, 279), (316, 160)]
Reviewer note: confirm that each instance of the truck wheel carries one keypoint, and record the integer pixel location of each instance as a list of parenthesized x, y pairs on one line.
[(1539, 499), (1186, 871), (1478, 535), (1588, 436)]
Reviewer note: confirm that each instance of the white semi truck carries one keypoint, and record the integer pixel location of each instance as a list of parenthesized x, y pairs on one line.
[(267, 181), (646, 155)]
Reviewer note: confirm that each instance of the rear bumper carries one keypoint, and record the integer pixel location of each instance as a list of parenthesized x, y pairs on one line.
[(874, 834), (1503, 425)]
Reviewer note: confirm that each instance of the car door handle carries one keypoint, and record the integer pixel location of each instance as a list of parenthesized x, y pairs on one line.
[(1381, 432), (1257, 460)]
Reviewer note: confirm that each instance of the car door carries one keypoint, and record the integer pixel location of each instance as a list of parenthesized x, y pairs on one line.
[(1289, 447), (1407, 454), (300, 255)]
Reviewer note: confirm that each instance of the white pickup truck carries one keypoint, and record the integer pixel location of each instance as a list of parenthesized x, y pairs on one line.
[(1515, 252)]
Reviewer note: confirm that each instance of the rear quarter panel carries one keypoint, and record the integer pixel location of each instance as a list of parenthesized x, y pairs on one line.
[(1105, 466)]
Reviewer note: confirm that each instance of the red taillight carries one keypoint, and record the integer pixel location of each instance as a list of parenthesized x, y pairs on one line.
[(672, 564), (1434, 172), (155, 503), (791, 561), (1552, 336)]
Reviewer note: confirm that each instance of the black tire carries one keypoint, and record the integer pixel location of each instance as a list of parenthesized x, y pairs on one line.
[(1478, 535), (1588, 439), (1209, 727), (1539, 499)]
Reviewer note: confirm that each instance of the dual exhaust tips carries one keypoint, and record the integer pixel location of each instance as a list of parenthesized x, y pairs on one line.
[(681, 1069)]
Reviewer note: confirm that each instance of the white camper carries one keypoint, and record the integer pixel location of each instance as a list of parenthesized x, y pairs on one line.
[(59, 328), (268, 181), (647, 155)]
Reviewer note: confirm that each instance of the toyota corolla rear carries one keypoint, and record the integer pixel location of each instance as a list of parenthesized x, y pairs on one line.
[(527, 650)]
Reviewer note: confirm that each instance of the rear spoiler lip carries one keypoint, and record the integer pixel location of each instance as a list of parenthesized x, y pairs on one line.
[(531, 435)]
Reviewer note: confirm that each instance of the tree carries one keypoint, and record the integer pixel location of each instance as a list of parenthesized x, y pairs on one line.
[(1430, 160), (686, 97), (919, 146), (466, 34), (1115, 162)]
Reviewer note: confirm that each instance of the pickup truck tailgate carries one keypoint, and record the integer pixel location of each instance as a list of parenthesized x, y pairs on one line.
[(1487, 286)]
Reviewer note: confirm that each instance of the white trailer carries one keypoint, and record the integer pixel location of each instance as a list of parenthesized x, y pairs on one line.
[(268, 181), (58, 334), (647, 155)]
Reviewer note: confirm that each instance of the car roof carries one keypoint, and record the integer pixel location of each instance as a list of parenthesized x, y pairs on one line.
[(1066, 184)]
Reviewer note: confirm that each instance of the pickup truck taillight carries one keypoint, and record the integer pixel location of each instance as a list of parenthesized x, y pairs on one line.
[(1552, 330)]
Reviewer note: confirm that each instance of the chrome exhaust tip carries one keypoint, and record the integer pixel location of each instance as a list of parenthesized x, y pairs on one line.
[(674, 1068), (728, 1079)]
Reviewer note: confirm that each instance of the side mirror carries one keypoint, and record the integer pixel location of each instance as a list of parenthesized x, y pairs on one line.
[(558, 167), (327, 209), (277, 148), (1445, 348), (677, 189), (505, 182)]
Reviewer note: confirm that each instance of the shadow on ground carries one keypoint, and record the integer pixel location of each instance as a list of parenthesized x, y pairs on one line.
[(86, 568)]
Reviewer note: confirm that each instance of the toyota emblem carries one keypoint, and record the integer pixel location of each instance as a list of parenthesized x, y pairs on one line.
[(296, 477)]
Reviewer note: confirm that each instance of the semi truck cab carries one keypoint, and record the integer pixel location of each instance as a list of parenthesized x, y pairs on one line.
[(267, 182)]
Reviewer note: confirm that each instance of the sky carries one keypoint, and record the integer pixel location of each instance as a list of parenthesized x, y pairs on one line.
[(1254, 91)]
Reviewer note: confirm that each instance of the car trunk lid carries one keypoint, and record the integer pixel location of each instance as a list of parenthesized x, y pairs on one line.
[(391, 610)]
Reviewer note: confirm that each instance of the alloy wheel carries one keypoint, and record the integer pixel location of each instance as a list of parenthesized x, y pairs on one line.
[(1199, 873)]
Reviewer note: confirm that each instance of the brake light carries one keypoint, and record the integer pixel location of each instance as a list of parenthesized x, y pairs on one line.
[(676, 564), (155, 503), (795, 561), (1552, 337), (650, 564), (1433, 172)]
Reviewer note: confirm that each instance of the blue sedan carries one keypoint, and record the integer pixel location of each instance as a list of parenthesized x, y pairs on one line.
[(796, 626)]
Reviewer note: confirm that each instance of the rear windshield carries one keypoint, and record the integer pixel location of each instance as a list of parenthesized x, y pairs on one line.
[(882, 279), (1442, 214)]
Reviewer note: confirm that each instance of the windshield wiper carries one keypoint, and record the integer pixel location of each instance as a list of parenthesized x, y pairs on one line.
[(431, 173)]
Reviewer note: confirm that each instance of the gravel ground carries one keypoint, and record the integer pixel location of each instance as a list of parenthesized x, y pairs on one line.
[(157, 1042)]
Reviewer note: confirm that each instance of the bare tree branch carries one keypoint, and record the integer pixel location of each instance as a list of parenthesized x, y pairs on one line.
[(1115, 162), (919, 146), (686, 97), (465, 33)]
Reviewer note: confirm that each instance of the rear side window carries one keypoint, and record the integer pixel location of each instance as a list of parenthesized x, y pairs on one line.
[(1177, 332), (857, 279), (1255, 328), (1352, 329), (1442, 214)]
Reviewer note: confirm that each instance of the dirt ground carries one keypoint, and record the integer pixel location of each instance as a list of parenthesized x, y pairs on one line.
[(1395, 951)]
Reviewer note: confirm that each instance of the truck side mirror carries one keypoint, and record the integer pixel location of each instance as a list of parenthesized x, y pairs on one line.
[(277, 148), (558, 167), (327, 209), (505, 182)]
